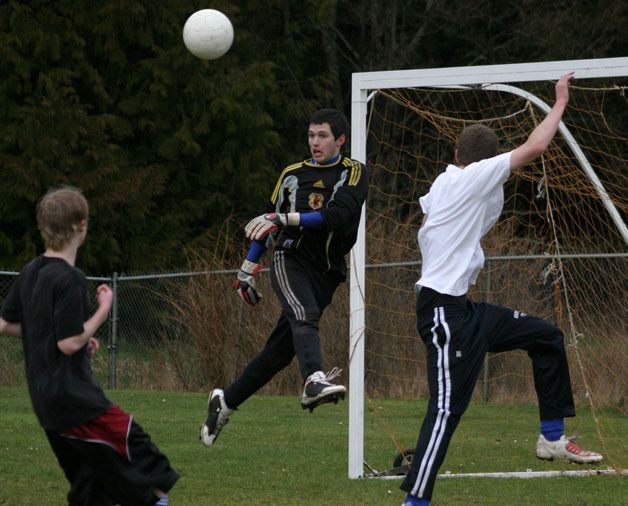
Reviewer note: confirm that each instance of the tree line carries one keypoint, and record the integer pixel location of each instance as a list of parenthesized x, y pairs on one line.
[(103, 95)]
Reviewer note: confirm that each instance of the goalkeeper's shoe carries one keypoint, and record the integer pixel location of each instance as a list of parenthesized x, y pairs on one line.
[(318, 389), (218, 414), (565, 449)]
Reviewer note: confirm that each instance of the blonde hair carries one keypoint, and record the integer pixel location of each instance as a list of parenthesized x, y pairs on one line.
[(59, 214)]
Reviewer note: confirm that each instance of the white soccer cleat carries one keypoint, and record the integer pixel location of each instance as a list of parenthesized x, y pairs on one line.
[(565, 449), (217, 417), (318, 389)]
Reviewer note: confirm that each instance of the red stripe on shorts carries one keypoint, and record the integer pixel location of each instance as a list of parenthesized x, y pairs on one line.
[(111, 428)]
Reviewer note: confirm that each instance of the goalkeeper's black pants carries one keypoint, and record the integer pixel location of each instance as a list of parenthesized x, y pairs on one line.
[(303, 294), (457, 334)]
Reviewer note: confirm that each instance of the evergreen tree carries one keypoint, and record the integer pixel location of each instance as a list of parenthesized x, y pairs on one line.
[(103, 95)]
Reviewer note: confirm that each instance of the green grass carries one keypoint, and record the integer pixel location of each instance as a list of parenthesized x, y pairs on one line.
[(273, 453)]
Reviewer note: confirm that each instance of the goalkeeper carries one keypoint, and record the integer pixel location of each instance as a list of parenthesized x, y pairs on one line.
[(462, 205), (317, 206)]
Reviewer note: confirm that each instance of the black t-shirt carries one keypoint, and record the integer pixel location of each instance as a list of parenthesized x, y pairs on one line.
[(49, 300)]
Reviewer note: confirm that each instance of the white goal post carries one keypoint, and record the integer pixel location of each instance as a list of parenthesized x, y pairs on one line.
[(364, 87)]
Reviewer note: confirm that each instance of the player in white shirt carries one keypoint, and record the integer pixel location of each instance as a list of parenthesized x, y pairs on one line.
[(462, 205)]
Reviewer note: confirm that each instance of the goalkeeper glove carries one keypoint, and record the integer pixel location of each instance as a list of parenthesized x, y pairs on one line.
[(261, 226), (245, 282)]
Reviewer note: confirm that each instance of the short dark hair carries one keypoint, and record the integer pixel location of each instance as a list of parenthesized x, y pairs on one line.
[(337, 121), (476, 142), (59, 214)]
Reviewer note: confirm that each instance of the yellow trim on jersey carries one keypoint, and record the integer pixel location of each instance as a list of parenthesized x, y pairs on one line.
[(354, 177), (356, 170), (289, 168)]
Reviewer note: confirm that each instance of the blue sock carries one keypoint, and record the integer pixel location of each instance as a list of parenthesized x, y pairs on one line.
[(415, 501), (552, 429), (163, 501)]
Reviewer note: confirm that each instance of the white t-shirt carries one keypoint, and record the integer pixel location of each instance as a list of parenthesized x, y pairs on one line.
[(461, 207)]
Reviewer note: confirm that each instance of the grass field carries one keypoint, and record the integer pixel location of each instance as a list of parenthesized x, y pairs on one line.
[(273, 453)]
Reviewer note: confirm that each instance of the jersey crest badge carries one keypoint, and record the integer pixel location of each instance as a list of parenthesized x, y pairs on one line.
[(316, 200), (319, 184)]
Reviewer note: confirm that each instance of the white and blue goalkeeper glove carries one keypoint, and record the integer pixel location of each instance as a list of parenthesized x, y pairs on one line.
[(245, 282), (262, 225)]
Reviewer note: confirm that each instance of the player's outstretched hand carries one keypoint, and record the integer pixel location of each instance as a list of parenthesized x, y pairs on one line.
[(562, 87), (245, 283)]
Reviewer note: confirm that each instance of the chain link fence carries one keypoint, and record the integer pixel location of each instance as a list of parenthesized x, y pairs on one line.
[(188, 331), (140, 331), (177, 331)]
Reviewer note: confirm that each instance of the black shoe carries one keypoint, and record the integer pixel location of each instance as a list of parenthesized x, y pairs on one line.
[(217, 417), (318, 390)]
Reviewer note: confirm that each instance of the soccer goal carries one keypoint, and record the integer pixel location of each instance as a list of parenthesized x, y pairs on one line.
[(559, 250)]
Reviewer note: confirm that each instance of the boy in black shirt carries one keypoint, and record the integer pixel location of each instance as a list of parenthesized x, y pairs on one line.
[(106, 457)]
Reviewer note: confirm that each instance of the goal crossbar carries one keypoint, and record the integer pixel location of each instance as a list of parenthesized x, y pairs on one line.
[(515, 72)]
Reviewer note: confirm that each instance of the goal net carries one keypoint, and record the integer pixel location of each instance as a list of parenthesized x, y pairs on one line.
[(558, 251)]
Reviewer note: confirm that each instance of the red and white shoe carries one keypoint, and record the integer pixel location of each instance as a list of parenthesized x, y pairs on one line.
[(565, 449)]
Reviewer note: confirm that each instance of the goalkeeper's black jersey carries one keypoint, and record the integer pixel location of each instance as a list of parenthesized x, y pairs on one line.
[(337, 191)]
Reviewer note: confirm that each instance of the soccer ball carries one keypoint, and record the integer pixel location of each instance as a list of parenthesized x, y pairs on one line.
[(208, 34)]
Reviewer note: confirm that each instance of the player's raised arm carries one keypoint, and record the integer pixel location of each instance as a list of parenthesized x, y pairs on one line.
[(543, 134)]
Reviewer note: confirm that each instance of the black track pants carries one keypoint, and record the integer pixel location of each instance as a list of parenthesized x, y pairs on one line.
[(457, 334), (303, 296)]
